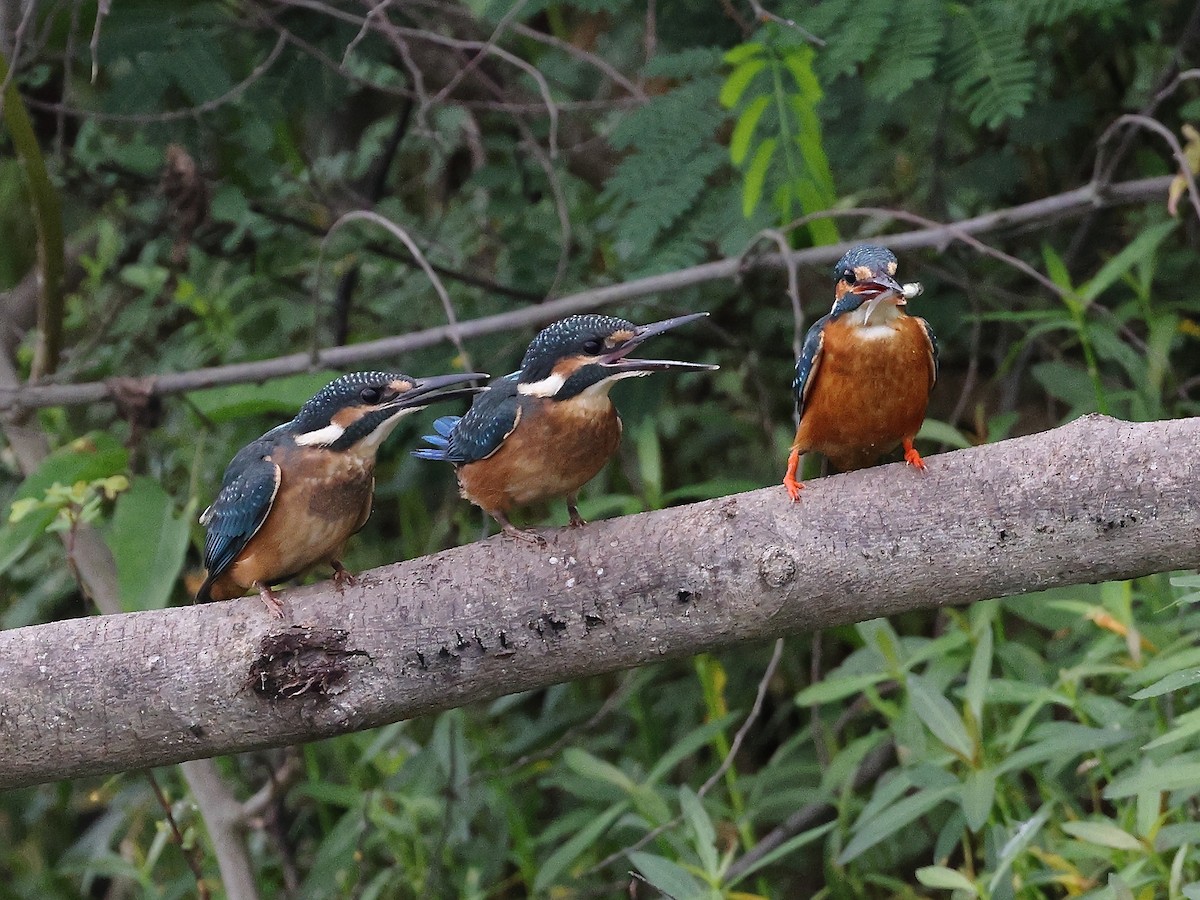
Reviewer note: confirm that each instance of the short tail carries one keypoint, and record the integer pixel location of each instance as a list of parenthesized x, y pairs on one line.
[(204, 595), (439, 443)]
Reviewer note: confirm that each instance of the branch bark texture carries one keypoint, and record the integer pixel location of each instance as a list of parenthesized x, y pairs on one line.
[(1095, 500)]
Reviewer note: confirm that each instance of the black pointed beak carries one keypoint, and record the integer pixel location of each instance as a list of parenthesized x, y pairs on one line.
[(880, 287), (422, 391), (619, 358)]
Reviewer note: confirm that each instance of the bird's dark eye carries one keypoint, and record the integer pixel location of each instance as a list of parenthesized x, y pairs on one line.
[(592, 346), (370, 394), (848, 276)]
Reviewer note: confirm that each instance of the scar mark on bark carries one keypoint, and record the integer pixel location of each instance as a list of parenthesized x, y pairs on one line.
[(300, 661)]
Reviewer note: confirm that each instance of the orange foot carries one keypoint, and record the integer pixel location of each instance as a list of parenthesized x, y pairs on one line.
[(793, 486), (911, 456), (341, 575)]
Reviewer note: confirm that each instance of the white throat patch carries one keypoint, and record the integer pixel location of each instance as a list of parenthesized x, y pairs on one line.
[(323, 437)]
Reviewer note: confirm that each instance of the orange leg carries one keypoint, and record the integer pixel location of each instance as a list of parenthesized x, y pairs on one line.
[(577, 521), (911, 456), (270, 598), (793, 486)]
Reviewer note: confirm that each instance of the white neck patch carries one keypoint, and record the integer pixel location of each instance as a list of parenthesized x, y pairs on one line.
[(547, 387), (322, 437)]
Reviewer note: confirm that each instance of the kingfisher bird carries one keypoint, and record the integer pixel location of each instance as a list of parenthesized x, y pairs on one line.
[(865, 372), (292, 498), (546, 430)]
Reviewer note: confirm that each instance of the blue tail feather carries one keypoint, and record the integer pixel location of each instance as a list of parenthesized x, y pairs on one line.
[(443, 425), (439, 443)]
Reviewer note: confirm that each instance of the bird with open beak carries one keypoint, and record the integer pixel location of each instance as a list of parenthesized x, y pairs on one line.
[(547, 429)]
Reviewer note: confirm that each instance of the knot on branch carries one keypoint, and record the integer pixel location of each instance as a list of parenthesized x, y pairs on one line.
[(776, 566)]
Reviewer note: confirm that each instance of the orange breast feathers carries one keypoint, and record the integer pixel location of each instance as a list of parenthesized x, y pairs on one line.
[(869, 391), (323, 499), (555, 448)]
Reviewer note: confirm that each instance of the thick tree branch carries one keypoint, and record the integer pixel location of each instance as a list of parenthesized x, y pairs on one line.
[(1092, 501), (1059, 206)]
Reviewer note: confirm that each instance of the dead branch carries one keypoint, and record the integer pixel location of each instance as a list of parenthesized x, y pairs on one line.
[(1059, 206)]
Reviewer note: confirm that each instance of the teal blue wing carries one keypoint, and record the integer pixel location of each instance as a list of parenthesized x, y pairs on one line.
[(808, 363), (247, 493), (479, 433)]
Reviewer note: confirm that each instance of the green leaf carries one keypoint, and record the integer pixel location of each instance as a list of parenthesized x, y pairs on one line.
[(979, 674), (669, 877), (241, 401), (743, 130), (1139, 250), (697, 819), (700, 736), (977, 796), (832, 689), (1171, 775), (892, 819), (86, 459), (946, 879), (1186, 725), (1016, 845), (788, 846), (1061, 741), (943, 433), (590, 766), (742, 52), (756, 175), (1103, 834), (1173, 682), (739, 79), (939, 716), (149, 543), (570, 850)]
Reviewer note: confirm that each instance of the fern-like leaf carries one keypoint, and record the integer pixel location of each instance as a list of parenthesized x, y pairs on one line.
[(862, 35), (666, 174), (917, 37), (1047, 13), (988, 64)]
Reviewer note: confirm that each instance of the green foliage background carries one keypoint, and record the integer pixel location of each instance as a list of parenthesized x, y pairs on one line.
[(1036, 747)]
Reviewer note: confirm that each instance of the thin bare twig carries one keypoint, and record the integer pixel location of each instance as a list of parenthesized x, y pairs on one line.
[(173, 115), (1162, 131), (473, 62), (18, 40), (366, 215), (1050, 208), (763, 15), (793, 281), (189, 855), (102, 9)]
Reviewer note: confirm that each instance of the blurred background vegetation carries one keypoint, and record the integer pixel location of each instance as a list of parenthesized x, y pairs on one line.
[(199, 152)]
